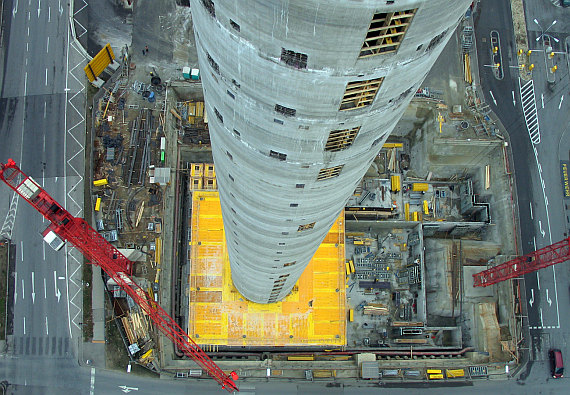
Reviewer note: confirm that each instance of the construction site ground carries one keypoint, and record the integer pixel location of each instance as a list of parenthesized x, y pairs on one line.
[(443, 141)]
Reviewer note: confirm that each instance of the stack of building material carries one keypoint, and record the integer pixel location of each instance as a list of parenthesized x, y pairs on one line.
[(375, 309)]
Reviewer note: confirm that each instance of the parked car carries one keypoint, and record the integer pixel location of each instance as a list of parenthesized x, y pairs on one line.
[(556, 363)]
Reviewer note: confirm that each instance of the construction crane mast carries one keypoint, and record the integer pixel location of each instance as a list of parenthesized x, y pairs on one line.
[(544, 257), (100, 252)]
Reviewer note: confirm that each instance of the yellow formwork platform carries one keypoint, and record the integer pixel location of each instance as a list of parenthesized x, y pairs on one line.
[(313, 314)]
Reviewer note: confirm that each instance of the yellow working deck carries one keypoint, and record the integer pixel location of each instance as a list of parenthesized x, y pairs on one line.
[(313, 314)]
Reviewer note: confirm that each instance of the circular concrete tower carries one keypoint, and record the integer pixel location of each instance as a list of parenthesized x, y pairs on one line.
[(300, 97)]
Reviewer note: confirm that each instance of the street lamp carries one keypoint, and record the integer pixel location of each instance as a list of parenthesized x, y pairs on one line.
[(544, 31)]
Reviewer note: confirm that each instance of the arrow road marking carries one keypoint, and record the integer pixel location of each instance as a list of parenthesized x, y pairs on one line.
[(33, 290), (15, 9), (531, 301), (542, 232), (57, 293), (493, 96), (126, 389), (560, 104), (548, 298)]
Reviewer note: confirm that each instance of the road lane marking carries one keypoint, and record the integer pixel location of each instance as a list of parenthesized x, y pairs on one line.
[(47, 45), (514, 101), (534, 242), (47, 330), (45, 289), (33, 289), (28, 16), (537, 279), (43, 244), (22, 248), (24, 325), (560, 104), (39, 7), (542, 99), (25, 87), (49, 14), (23, 290), (541, 322), (530, 205), (46, 76), (493, 97), (45, 113), (28, 31), (531, 301), (15, 287), (92, 390)]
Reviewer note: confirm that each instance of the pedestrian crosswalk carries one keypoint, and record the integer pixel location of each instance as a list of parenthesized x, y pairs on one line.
[(528, 102), (54, 347)]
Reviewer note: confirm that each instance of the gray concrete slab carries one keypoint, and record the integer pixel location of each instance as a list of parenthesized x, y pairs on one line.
[(470, 290)]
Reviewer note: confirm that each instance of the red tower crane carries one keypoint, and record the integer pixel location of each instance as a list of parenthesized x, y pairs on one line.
[(544, 257), (100, 252)]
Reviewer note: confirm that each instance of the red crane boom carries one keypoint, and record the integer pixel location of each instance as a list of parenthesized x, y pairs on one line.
[(544, 257), (100, 252)]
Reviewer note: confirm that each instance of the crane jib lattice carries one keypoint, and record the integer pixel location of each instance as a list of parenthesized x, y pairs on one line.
[(544, 257), (102, 253)]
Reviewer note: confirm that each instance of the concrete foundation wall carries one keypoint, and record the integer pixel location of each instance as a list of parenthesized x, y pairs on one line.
[(239, 47)]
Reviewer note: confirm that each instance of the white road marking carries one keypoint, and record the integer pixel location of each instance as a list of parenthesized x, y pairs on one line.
[(28, 16), (25, 86), (24, 325), (560, 104), (45, 289), (534, 242), (23, 290), (47, 330), (28, 31), (92, 389), (61, 278), (33, 289), (39, 5), (542, 232), (538, 280), (15, 287), (514, 101), (45, 113), (126, 389), (43, 244), (47, 45), (548, 298), (46, 76), (541, 322), (49, 14), (530, 205), (15, 9), (542, 99), (531, 301), (493, 97), (22, 248), (27, 50)]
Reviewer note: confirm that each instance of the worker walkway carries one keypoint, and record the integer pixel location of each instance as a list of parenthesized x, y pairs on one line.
[(313, 314)]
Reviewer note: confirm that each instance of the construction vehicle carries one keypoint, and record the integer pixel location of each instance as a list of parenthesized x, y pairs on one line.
[(100, 252), (539, 259)]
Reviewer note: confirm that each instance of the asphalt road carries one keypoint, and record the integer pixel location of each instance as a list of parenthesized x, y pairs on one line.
[(543, 219), (35, 132)]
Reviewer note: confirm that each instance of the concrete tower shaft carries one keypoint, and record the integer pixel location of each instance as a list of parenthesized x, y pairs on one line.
[(300, 97)]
